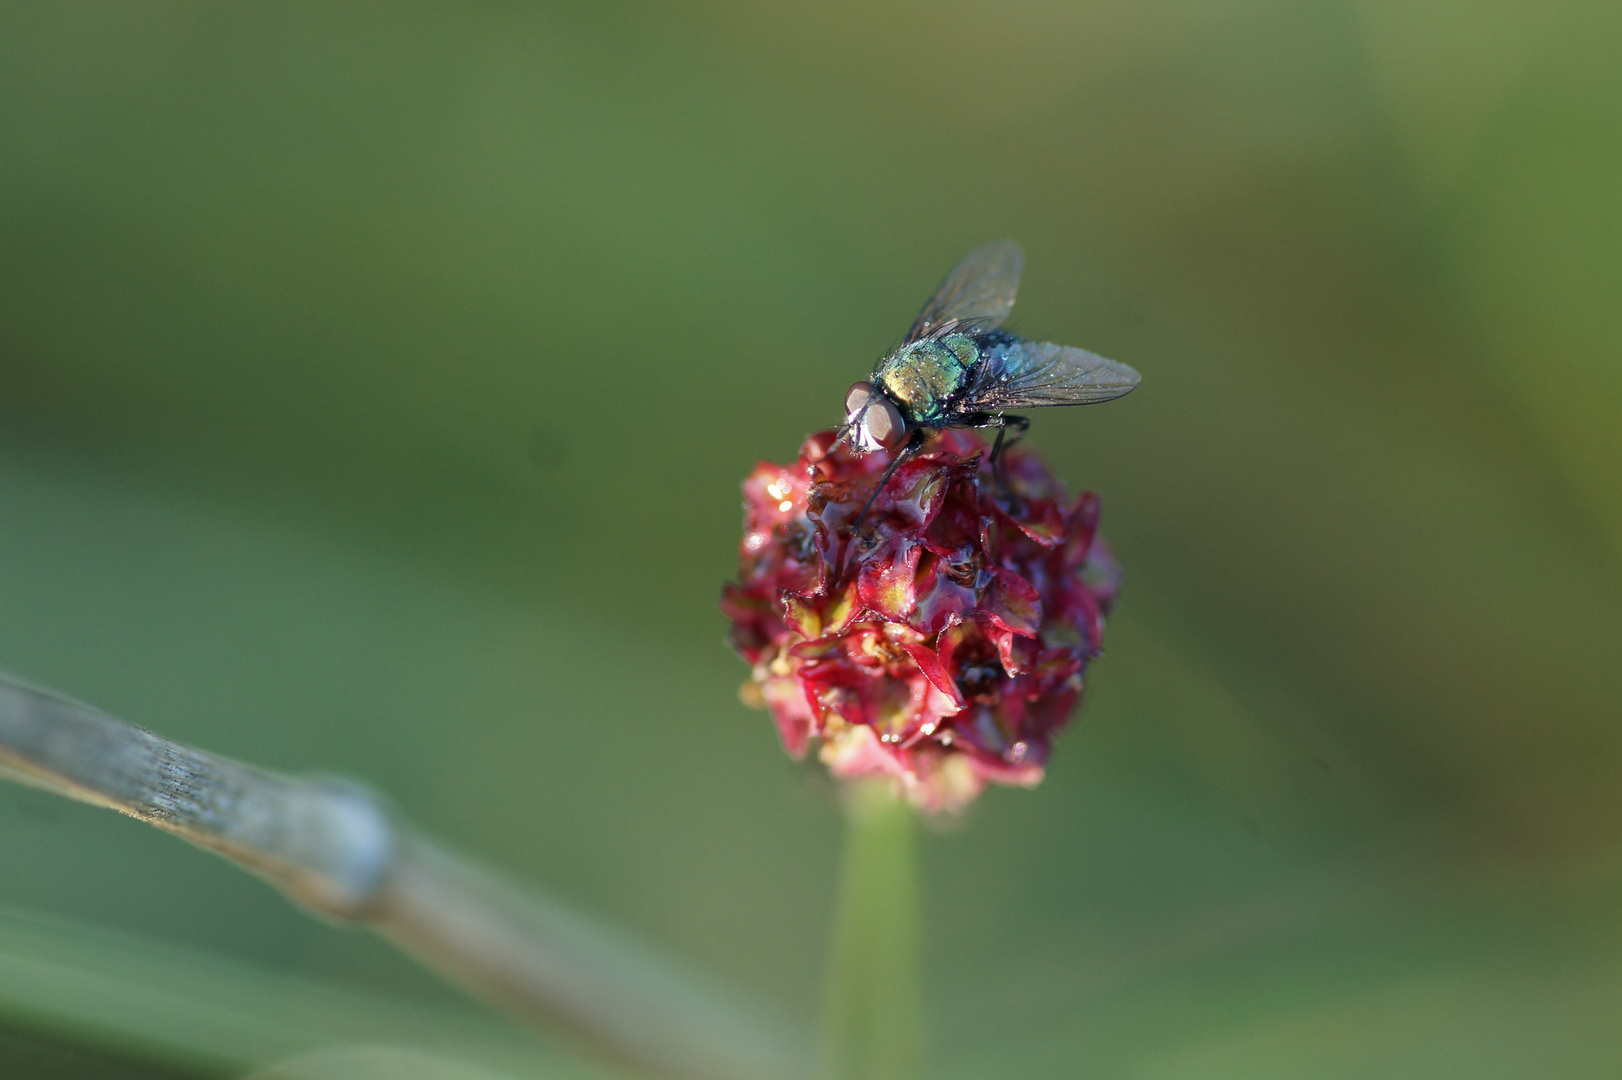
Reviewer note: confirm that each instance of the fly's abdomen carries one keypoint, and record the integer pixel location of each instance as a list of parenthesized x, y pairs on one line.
[(922, 377)]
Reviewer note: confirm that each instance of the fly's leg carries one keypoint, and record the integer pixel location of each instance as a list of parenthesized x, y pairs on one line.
[(839, 437), (1020, 425), (996, 457), (916, 441)]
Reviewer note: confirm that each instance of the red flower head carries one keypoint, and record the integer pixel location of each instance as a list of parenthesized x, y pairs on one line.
[(944, 643)]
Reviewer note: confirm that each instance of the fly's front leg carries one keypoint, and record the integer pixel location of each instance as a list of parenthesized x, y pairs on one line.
[(916, 441), (839, 436)]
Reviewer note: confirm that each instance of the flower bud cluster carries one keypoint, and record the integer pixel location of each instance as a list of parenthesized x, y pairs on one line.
[(943, 642)]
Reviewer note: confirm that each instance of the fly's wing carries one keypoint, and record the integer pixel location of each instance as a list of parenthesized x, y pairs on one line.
[(978, 292), (1031, 374)]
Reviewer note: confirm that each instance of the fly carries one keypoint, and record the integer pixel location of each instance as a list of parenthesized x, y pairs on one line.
[(957, 369)]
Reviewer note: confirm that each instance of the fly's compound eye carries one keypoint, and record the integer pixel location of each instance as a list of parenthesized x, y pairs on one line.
[(875, 419), (856, 399)]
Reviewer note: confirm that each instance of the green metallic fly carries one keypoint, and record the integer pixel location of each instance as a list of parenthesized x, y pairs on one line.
[(957, 369)]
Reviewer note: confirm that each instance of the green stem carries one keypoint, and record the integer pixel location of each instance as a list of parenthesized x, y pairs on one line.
[(873, 1012)]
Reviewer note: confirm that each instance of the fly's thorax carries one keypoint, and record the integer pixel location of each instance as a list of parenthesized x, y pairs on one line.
[(922, 376)]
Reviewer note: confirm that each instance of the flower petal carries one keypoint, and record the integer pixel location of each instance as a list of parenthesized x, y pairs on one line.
[(1038, 519), (1012, 602), (796, 723), (887, 580), (1082, 527), (939, 598), (935, 671)]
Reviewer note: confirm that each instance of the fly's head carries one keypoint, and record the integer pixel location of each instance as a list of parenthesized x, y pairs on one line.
[(872, 419)]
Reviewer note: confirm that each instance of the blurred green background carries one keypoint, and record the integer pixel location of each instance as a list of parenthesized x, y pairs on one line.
[(375, 384)]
